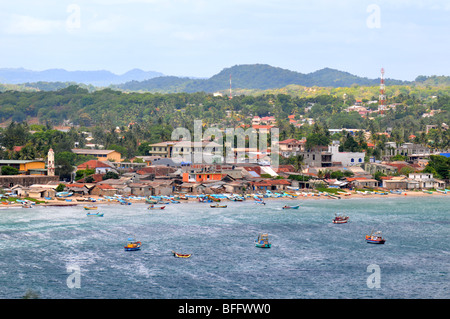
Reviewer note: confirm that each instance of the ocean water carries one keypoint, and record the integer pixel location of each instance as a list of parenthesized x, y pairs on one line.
[(310, 256)]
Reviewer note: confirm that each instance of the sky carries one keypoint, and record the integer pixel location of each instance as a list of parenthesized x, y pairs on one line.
[(199, 38)]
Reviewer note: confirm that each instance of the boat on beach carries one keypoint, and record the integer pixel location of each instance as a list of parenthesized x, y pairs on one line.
[(291, 207), (260, 202), (132, 245), (178, 255), (90, 207), (263, 241), (375, 238)]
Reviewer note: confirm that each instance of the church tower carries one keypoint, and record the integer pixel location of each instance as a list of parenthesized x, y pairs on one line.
[(51, 163)]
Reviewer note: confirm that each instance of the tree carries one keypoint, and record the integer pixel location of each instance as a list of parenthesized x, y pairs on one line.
[(8, 170), (110, 175)]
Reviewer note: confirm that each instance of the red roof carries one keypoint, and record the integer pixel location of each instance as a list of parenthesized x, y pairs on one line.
[(104, 186), (92, 164), (258, 127), (351, 179)]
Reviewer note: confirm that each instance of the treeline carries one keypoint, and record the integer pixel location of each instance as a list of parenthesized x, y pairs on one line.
[(132, 120)]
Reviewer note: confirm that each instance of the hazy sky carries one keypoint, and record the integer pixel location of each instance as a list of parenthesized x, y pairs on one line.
[(201, 37)]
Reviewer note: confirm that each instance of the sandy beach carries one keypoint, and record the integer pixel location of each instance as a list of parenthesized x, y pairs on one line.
[(83, 201)]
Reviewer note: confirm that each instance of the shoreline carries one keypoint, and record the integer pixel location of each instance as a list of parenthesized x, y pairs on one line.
[(102, 201)]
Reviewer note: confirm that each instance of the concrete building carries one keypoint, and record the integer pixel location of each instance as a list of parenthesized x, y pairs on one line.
[(345, 158), (102, 155)]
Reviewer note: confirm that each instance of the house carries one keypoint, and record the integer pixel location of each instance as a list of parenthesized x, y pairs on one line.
[(102, 155), (185, 150), (362, 182), (373, 168), (398, 182), (201, 177), (425, 180), (272, 185), (101, 167), (103, 190), (80, 189), (26, 167), (345, 158), (318, 156), (140, 189), (237, 186), (291, 147)]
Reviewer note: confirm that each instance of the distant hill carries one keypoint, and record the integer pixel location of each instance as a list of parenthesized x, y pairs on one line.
[(96, 78), (253, 76)]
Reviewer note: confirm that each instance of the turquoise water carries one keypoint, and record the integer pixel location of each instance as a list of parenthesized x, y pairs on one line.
[(310, 257)]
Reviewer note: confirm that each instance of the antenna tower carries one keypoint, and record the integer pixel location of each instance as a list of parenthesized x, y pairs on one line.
[(382, 97)]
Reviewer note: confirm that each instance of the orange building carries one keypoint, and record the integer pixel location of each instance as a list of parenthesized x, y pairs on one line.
[(202, 177)]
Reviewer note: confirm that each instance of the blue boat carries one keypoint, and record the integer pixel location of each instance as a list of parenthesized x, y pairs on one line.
[(291, 207), (95, 214), (132, 245), (375, 238), (263, 241)]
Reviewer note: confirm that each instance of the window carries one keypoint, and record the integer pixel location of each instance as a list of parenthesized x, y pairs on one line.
[(360, 160), (352, 160)]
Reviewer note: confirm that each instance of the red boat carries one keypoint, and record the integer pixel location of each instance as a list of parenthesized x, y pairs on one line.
[(339, 219), (156, 207), (375, 238)]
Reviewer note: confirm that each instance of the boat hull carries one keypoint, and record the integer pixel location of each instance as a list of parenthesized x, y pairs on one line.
[(94, 215), (379, 242), (177, 255), (341, 221), (263, 245)]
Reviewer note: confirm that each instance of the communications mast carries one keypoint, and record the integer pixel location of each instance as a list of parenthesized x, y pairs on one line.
[(382, 97), (230, 97)]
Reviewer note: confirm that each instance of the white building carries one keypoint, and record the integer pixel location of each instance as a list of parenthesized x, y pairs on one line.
[(346, 158)]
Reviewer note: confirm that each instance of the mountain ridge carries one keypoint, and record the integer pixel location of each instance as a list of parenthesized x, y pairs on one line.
[(96, 77), (253, 76)]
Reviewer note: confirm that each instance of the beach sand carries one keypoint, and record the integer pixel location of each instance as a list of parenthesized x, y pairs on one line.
[(103, 201)]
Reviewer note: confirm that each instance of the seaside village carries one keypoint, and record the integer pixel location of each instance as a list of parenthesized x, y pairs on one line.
[(322, 171)]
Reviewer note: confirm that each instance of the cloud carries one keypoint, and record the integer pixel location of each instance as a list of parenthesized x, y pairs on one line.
[(26, 25)]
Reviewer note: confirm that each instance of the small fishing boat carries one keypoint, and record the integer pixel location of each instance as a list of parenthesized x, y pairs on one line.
[(291, 207), (214, 199), (263, 241), (340, 219), (175, 254), (26, 206), (132, 245), (260, 202), (156, 207), (95, 214), (90, 207), (218, 206), (375, 238)]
